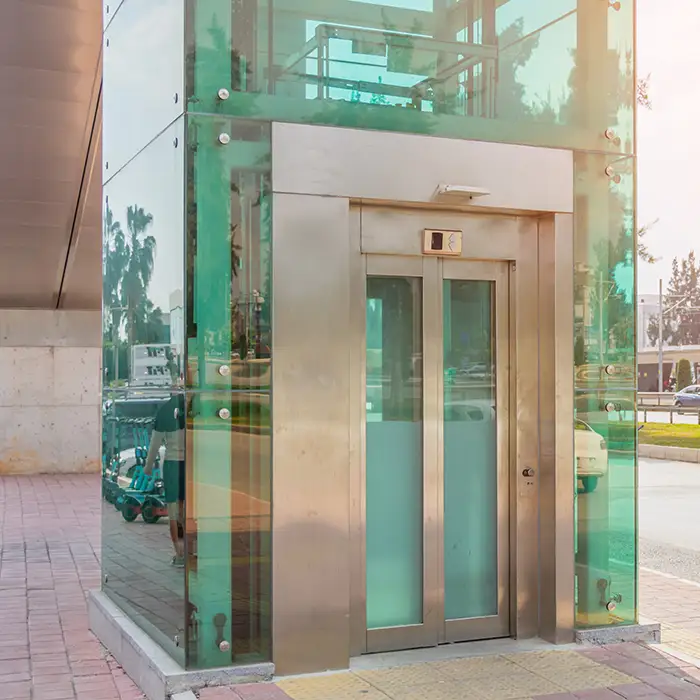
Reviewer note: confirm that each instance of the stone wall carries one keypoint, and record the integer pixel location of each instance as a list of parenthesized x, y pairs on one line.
[(49, 391)]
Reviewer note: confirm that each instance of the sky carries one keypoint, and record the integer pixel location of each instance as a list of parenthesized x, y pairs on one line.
[(668, 136)]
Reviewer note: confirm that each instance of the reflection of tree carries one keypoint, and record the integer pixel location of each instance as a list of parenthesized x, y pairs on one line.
[(141, 257), (114, 264), (128, 262), (515, 54)]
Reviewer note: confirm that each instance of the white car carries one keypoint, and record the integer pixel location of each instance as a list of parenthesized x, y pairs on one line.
[(591, 456)]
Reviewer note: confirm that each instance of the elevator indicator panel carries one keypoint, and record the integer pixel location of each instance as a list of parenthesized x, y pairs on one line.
[(442, 242)]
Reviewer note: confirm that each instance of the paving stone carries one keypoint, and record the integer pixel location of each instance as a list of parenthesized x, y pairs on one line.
[(49, 560)]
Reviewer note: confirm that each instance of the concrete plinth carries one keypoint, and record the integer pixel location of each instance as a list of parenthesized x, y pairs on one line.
[(643, 633), (157, 674)]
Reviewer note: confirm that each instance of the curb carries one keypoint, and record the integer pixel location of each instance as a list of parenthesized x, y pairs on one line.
[(674, 454)]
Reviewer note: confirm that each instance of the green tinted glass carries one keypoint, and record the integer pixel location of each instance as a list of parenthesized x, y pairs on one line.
[(143, 349), (470, 451), (482, 69), (394, 458), (605, 392), (141, 463), (228, 376)]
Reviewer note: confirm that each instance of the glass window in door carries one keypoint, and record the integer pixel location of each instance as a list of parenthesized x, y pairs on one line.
[(394, 452), (470, 450)]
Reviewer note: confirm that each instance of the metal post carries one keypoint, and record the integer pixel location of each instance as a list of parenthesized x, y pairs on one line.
[(661, 336), (600, 319)]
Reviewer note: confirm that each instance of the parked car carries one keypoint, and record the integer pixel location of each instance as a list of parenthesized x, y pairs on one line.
[(690, 396), (591, 456)]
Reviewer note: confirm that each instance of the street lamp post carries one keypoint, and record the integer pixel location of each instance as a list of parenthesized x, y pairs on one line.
[(661, 336), (683, 300), (115, 341)]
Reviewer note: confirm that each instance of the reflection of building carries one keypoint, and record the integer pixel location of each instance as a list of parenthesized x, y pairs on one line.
[(404, 279), (647, 309), (151, 365)]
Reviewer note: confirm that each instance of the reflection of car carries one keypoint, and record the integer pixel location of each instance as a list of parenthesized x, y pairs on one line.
[(478, 371), (470, 411), (690, 396), (591, 456)]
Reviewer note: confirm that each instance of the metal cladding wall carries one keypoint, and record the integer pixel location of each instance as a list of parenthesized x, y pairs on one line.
[(50, 210)]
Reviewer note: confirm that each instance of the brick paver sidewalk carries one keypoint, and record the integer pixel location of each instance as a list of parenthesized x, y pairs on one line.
[(49, 547), (675, 603), (49, 559)]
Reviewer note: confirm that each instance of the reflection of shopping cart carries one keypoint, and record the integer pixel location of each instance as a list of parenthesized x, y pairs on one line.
[(144, 496), (124, 481)]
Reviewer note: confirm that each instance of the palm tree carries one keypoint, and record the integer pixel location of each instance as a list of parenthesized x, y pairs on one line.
[(139, 269)]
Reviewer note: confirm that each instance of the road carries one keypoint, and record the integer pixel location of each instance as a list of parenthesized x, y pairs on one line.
[(669, 517)]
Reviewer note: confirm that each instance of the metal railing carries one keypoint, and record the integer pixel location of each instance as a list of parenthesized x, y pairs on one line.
[(654, 398), (655, 402), (670, 410)]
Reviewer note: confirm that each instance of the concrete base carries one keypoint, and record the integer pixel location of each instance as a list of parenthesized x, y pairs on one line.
[(157, 674), (672, 454), (644, 633)]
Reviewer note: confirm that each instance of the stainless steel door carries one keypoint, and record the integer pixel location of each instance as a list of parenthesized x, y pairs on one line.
[(435, 434)]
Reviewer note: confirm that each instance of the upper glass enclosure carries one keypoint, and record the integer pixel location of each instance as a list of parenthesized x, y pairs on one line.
[(551, 72)]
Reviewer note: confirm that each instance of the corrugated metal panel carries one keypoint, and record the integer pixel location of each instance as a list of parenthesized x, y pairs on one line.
[(49, 79)]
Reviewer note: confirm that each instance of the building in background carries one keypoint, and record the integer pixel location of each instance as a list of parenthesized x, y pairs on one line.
[(647, 309), (403, 237)]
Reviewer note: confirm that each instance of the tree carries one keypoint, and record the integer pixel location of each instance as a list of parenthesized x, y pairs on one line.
[(642, 247), (683, 376), (643, 98), (682, 301)]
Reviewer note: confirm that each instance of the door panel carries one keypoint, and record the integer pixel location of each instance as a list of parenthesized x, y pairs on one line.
[(394, 452), (475, 420), (400, 456)]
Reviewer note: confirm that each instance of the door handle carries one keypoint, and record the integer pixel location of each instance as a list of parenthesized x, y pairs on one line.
[(528, 472)]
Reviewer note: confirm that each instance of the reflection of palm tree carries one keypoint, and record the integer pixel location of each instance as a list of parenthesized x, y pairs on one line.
[(114, 265), (141, 256)]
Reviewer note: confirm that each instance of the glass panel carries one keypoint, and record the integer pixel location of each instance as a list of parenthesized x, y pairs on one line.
[(605, 391), (606, 471), (143, 507), (144, 77), (604, 350), (394, 488), (143, 282), (228, 373), (470, 450), (143, 268), (109, 10), (482, 69)]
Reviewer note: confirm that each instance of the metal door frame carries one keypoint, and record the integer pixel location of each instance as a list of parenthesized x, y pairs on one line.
[(318, 219)]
